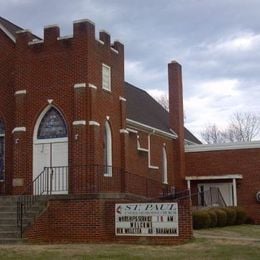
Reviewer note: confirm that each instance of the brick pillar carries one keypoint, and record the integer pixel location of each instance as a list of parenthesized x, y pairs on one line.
[(176, 121), (21, 178), (79, 139), (123, 136)]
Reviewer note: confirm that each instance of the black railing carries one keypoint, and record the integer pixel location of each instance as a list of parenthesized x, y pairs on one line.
[(30, 195), (86, 179)]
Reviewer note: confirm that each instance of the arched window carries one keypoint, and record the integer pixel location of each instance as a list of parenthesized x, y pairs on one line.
[(52, 125), (164, 166), (107, 150), (2, 149)]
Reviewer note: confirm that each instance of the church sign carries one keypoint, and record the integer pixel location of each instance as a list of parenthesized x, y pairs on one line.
[(146, 219)]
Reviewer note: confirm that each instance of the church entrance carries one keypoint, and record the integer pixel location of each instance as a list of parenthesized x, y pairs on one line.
[(50, 149)]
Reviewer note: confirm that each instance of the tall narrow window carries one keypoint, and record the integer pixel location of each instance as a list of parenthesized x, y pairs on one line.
[(107, 150), (164, 166), (2, 149), (52, 125), (106, 77)]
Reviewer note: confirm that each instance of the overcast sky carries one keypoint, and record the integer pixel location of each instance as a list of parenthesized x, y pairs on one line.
[(216, 41)]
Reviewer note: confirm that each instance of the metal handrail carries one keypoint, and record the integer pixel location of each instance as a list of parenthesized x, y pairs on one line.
[(25, 201), (86, 179)]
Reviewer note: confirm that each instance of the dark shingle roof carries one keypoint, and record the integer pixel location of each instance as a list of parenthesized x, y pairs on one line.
[(141, 107), (12, 28)]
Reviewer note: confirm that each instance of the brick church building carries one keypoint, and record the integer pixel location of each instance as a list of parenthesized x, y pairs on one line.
[(71, 126)]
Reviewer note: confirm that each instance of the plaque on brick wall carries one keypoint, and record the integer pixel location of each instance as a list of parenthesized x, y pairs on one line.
[(146, 219), (17, 182)]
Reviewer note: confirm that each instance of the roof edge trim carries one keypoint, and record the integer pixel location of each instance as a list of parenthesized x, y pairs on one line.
[(221, 147), (215, 177), (7, 33), (150, 128)]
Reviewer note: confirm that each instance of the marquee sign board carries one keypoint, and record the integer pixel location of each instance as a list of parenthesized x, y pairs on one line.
[(146, 219)]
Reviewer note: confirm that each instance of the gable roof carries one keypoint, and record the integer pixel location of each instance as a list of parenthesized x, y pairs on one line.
[(10, 29), (142, 108)]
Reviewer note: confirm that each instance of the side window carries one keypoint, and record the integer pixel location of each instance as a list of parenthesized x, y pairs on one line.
[(106, 77), (107, 150), (164, 166)]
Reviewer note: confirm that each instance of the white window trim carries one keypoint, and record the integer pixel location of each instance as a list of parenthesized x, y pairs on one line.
[(109, 150), (149, 155), (79, 122), (165, 166), (109, 77), (19, 129)]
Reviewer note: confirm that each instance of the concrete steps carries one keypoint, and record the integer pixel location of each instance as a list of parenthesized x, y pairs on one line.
[(9, 232)]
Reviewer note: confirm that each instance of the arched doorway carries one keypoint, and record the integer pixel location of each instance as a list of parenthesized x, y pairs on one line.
[(50, 149)]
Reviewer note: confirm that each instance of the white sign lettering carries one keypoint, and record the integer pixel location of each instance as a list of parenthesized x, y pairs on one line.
[(146, 219)]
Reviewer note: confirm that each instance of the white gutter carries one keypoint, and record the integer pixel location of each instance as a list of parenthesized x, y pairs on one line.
[(150, 129), (214, 177), (221, 147)]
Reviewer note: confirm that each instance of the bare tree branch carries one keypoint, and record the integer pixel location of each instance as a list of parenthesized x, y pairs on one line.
[(163, 101), (243, 127)]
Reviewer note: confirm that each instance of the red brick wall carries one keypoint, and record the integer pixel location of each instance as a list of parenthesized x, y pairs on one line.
[(49, 70), (245, 162), (93, 220), (7, 56), (176, 118), (137, 161)]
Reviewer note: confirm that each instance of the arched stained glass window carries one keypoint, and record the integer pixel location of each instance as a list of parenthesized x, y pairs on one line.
[(52, 125)]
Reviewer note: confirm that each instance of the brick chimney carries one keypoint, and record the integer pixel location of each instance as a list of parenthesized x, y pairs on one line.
[(176, 121)]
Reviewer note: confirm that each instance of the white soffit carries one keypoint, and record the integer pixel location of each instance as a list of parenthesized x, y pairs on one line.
[(214, 177), (221, 147)]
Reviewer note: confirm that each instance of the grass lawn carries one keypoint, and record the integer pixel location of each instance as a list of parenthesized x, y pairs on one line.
[(198, 248)]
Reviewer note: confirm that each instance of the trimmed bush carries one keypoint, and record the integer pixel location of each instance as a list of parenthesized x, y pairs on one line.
[(250, 221), (231, 215), (201, 219), (221, 217), (213, 218), (241, 216)]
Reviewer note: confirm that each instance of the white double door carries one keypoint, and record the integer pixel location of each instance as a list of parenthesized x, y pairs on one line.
[(53, 155)]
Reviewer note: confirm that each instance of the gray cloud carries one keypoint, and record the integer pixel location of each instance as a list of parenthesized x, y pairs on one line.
[(217, 42)]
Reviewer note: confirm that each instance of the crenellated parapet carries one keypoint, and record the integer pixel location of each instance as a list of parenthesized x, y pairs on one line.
[(83, 30)]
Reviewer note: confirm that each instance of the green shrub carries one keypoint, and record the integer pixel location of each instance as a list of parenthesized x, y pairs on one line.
[(201, 219), (250, 221), (231, 215), (241, 216), (221, 217), (213, 218)]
